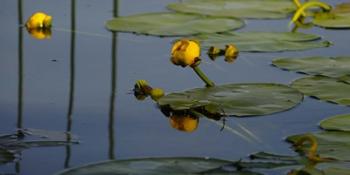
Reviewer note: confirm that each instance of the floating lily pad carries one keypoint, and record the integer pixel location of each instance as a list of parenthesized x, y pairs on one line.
[(336, 171), (235, 99), (260, 9), (6, 156), (336, 67), (337, 123), (324, 88), (172, 24), (264, 41), (175, 165), (331, 144), (337, 18)]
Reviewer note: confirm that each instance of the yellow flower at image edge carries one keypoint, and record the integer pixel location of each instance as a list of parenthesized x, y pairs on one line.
[(185, 52), (39, 20), (184, 123)]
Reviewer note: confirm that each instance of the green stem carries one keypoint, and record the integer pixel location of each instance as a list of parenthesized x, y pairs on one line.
[(201, 75)]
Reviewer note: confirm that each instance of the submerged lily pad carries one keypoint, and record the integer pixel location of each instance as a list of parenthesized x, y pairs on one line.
[(324, 88), (331, 144), (336, 67), (264, 41), (172, 24), (260, 9), (6, 156), (337, 123), (337, 18), (235, 99)]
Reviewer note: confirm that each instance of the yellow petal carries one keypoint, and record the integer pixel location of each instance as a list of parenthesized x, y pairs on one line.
[(39, 20), (185, 52), (184, 123)]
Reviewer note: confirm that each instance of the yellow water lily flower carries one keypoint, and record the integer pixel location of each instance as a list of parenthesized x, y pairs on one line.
[(40, 33), (39, 20), (185, 52), (231, 53), (156, 93), (185, 123)]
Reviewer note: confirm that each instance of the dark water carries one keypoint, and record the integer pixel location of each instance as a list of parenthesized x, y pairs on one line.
[(81, 82)]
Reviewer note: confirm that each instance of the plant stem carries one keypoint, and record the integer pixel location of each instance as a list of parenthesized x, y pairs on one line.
[(203, 77)]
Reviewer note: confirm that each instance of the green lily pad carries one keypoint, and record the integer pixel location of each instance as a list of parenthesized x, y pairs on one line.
[(336, 171), (264, 41), (260, 9), (235, 99), (172, 24), (324, 88), (149, 166), (336, 67), (6, 156), (337, 123), (338, 18), (331, 144)]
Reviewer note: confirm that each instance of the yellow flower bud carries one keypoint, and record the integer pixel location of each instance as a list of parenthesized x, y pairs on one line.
[(40, 33), (156, 93), (231, 53), (185, 52), (184, 123), (39, 20)]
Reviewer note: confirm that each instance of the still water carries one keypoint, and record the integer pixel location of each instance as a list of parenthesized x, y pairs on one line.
[(81, 82)]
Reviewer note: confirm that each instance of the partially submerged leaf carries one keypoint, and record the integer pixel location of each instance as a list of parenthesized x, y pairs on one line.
[(266, 9), (324, 88), (6, 156), (331, 144), (336, 67), (172, 24), (235, 99), (263, 41), (338, 18), (337, 123)]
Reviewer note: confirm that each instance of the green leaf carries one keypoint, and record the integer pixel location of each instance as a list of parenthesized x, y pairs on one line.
[(324, 88), (337, 123), (235, 99), (149, 166), (260, 9), (338, 18), (6, 156), (172, 24), (331, 144), (263, 41), (336, 171), (336, 67)]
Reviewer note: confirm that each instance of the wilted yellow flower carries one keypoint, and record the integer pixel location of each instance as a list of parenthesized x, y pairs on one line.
[(39, 20), (184, 123), (231, 53), (185, 52), (40, 33)]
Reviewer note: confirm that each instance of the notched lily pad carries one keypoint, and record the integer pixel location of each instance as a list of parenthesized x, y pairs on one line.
[(235, 99), (338, 18), (263, 41), (259, 9), (172, 24), (337, 123), (336, 67), (324, 88)]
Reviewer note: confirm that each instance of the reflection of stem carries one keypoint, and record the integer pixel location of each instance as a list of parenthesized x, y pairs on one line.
[(71, 86), (20, 76), (203, 77), (111, 154)]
